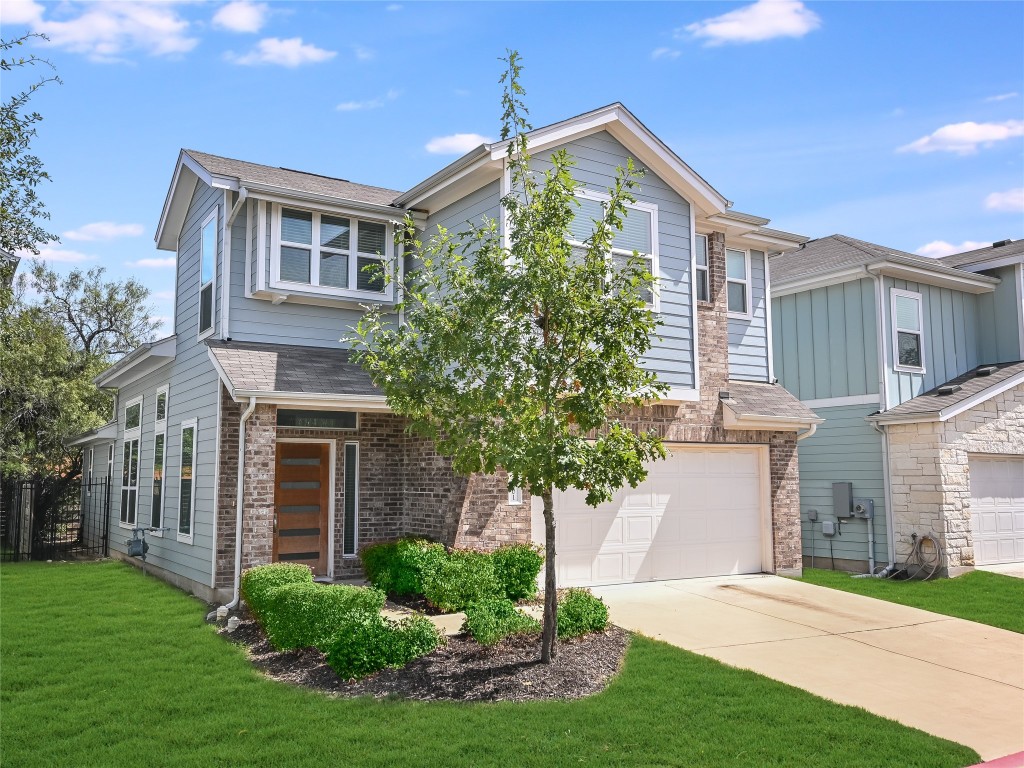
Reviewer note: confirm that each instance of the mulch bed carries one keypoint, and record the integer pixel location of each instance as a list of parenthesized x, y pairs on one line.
[(462, 670)]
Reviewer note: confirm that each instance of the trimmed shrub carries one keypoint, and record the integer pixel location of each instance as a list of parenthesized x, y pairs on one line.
[(461, 578), (516, 567), (257, 583), (397, 567), (494, 619), (580, 613), (305, 615), (368, 643)]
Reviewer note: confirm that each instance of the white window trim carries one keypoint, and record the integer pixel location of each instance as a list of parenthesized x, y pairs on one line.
[(130, 435), (285, 286), (201, 334), (650, 208), (187, 538), (515, 496), (355, 506), (159, 428), (747, 282), (893, 294), (699, 268)]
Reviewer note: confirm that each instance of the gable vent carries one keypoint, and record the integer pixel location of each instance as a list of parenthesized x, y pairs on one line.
[(949, 389), (985, 370)]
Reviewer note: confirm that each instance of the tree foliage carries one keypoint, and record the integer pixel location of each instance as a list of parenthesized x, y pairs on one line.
[(56, 335), (20, 171), (521, 353)]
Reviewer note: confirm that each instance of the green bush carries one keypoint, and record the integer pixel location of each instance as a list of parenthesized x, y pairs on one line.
[(371, 642), (494, 619), (516, 567), (304, 615), (257, 583), (397, 567), (461, 578), (580, 613)]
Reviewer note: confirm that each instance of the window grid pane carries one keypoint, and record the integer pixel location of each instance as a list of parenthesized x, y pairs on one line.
[(294, 264), (334, 232), (370, 275), (909, 349), (702, 251), (371, 238), (736, 265), (209, 250), (907, 316), (297, 226), (737, 297), (702, 285), (206, 308), (334, 269)]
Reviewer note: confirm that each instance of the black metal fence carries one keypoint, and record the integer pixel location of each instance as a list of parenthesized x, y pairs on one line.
[(49, 520)]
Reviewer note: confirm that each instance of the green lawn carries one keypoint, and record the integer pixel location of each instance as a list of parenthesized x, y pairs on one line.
[(989, 598), (102, 666)]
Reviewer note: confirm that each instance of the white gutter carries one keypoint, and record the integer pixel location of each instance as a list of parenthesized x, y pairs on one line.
[(810, 431), (238, 506), (225, 292)]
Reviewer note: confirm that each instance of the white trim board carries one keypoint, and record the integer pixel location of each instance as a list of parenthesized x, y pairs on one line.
[(839, 402)]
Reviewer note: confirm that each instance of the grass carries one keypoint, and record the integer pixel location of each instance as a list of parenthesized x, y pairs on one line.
[(988, 598), (102, 666)]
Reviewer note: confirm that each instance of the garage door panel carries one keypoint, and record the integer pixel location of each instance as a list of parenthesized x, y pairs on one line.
[(639, 530), (997, 508)]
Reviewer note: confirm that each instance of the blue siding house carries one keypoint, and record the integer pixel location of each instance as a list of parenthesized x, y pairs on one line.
[(249, 436), (915, 365)]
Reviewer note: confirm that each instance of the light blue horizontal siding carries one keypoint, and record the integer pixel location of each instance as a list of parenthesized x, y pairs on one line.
[(825, 341), (748, 337), (846, 448)]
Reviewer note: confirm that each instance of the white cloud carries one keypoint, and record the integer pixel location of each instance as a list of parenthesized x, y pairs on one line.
[(104, 230), (363, 53), (965, 138), (456, 144), (57, 255), (1010, 201), (291, 52), (938, 248), (1003, 96), (393, 7), (763, 20), (665, 53), (155, 263), (380, 101), (241, 16), (104, 31)]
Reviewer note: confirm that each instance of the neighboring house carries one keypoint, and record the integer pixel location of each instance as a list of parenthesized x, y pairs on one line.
[(253, 411), (915, 364)]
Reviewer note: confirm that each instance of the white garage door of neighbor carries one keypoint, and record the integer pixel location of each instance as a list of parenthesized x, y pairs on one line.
[(997, 509), (698, 513)]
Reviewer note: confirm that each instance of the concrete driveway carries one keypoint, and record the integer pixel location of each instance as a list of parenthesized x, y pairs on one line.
[(952, 678)]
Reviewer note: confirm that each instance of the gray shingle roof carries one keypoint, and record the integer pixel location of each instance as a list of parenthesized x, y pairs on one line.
[(1013, 248), (748, 398), (930, 405), (839, 252), (286, 368), (298, 181)]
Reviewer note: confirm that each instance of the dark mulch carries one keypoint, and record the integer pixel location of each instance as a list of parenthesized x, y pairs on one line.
[(462, 670), (413, 602)]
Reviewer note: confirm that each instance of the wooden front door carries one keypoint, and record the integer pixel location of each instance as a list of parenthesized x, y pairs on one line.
[(302, 504)]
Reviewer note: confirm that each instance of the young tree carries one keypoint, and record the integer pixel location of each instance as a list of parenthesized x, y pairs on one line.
[(522, 356)]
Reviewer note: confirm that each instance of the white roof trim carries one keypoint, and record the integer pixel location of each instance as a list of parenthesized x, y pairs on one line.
[(968, 282), (316, 400), (733, 420), (1005, 261), (138, 363), (103, 434), (956, 408)]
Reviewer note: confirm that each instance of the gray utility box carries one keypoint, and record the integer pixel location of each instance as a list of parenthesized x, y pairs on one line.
[(842, 499), (864, 508)]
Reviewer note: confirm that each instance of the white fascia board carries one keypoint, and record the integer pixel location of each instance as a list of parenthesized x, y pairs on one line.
[(179, 194), (968, 282), (840, 402), (103, 434), (221, 373), (324, 401), (451, 173), (733, 420), (981, 266), (980, 397), (815, 281), (677, 395), (880, 418), (330, 203), (126, 370), (780, 241)]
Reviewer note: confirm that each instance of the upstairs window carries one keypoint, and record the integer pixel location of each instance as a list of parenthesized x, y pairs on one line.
[(638, 234), (207, 273), (130, 462), (703, 284), (737, 282), (908, 331), (334, 254)]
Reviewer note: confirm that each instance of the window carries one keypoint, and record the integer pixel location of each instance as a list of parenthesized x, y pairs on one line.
[(208, 271), (703, 284), (159, 455), (737, 282), (907, 331), (316, 419), (186, 482), (351, 528), (515, 496), (88, 482), (110, 462), (335, 254), (130, 462), (637, 235)]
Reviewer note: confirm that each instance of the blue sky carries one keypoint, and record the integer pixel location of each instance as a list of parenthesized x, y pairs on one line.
[(900, 123)]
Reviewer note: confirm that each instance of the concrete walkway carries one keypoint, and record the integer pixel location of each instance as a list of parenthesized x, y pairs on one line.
[(1006, 569), (953, 678)]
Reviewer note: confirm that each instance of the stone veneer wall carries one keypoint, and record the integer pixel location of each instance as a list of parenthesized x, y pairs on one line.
[(930, 474)]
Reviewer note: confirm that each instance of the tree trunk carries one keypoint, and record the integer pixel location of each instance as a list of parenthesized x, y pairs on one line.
[(547, 647)]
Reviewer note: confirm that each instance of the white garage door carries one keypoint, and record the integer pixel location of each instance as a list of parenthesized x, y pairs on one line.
[(997, 509), (698, 513)]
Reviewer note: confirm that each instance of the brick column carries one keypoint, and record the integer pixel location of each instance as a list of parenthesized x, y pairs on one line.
[(258, 487), (785, 488), (713, 332)]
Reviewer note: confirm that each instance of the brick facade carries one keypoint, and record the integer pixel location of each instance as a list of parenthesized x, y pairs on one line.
[(929, 473)]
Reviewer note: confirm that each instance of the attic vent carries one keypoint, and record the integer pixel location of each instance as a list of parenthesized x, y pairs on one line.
[(985, 370), (949, 389), (1001, 243)]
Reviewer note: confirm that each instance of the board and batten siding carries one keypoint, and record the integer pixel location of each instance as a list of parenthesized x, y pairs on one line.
[(748, 337), (1000, 317), (192, 394), (597, 156), (825, 341), (950, 342), (845, 448)]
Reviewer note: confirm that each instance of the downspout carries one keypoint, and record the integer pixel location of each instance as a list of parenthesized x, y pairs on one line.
[(225, 292), (238, 510), (810, 431), (883, 390)]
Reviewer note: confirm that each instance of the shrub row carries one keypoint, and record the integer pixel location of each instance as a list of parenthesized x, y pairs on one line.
[(307, 615), (369, 643), (492, 620), (257, 583), (452, 580)]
